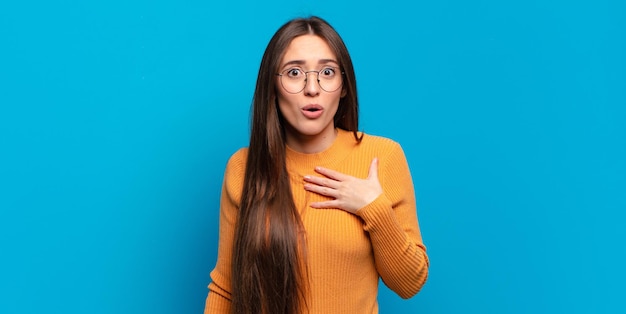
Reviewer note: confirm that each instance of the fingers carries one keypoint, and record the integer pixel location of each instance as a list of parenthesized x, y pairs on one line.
[(322, 190), (327, 204), (346, 192), (322, 181), (336, 175)]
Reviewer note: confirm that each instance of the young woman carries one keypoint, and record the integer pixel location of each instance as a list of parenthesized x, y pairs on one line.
[(313, 212)]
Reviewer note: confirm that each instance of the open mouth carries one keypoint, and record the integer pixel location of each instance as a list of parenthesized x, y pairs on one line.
[(312, 111), (312, 108)]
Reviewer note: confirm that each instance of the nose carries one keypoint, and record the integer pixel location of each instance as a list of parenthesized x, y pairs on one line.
[(312, 86)]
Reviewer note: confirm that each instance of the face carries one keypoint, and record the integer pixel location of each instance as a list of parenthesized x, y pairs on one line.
[(309, 113)]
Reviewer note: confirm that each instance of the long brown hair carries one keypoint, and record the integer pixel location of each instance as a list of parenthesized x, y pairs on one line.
[(268, 272)]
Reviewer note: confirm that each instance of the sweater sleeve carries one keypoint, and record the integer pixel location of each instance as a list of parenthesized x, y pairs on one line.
[(219, 297), (391, 221)]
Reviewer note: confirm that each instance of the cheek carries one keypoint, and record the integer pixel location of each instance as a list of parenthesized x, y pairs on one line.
[(285, 106), (337, 100)]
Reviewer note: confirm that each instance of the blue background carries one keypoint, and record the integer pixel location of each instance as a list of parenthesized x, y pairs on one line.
[(117, 119)]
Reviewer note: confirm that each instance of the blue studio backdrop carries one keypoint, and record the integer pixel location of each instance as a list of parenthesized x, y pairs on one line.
[(117, 119)]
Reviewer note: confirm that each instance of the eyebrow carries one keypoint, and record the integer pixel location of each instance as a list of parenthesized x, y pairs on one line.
[(301, 62)]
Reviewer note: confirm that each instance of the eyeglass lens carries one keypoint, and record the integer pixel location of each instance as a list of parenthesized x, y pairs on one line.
[(294, 80)]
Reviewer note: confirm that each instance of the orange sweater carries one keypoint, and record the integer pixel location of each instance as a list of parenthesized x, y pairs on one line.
[(346, 253)]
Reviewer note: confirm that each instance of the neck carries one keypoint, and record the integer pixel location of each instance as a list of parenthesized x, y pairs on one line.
[(311, 144)]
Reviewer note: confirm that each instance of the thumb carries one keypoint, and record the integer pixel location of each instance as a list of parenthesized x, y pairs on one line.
[(373, 172)]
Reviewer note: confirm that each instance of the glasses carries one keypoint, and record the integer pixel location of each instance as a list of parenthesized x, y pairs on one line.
[(294, 80)]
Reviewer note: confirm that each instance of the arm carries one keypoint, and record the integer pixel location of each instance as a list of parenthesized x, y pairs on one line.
[(219, 297), (387, 208), (391, 221)]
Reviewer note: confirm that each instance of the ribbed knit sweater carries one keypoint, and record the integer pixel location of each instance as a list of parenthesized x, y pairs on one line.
[(346, 253)]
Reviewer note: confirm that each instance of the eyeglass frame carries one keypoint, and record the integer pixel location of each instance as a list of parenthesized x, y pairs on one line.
[(306, 78)]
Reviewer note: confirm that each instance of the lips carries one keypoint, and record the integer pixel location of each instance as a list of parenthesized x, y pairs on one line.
[(312, 111)]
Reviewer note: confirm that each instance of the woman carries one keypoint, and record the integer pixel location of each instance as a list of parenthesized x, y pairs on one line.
[(313, 212)]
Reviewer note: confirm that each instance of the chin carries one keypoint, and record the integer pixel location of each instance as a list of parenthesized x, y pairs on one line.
[(313, 131)]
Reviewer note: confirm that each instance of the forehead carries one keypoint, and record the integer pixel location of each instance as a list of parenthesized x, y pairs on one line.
[(309, 49)]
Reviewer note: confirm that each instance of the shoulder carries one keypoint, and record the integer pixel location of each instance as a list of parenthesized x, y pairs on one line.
[(238, 159), (379, 144), (235, 173), (393, 170), (389, 152), (378, 140)]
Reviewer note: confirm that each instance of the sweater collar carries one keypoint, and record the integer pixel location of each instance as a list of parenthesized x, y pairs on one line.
[(304, 164)]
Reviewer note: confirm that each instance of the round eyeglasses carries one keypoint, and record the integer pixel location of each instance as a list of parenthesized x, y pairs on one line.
[(294, 80)]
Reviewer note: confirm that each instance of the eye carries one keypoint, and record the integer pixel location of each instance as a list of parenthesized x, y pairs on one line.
[(327, 72), (294, 73)]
